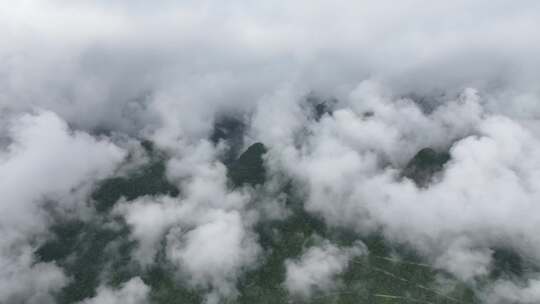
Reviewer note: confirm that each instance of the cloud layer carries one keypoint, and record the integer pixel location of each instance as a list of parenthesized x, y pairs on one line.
[(77, 79), (317, 269), (45, 169)]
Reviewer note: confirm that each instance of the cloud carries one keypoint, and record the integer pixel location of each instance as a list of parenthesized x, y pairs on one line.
[(504, 291), (45, 167), (210, 247), (403, 73), (25, 281), (465, 261), (349, 166), (133, 291), (199, 57), (214, 254), (208, 229), (318, 268)]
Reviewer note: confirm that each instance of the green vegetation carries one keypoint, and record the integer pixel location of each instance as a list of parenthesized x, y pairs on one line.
[(424, 165), (231, 131), (249, 167), (86, 250), (100, 250), (150, 179)]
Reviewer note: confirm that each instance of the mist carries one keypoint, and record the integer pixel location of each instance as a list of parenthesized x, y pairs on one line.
[(342, 95)]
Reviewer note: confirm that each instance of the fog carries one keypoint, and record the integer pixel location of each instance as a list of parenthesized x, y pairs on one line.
[(81, 82)]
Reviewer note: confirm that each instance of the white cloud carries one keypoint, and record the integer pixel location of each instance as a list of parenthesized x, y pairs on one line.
[(22, 280), (199, 57), (318, 268), (164, 70), (132, 292), (349, 168), (504, 291), (466, 262), (215, 253), (45, 164), (208, 229)]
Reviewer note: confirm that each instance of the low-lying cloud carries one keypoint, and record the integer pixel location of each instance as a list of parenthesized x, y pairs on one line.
[(458, 77)]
